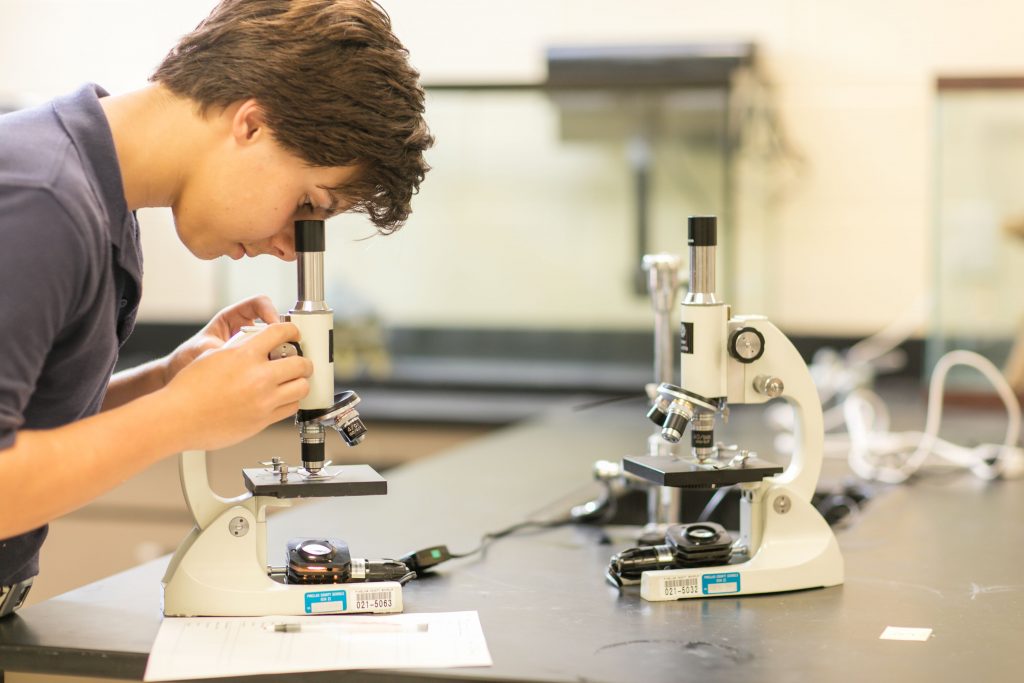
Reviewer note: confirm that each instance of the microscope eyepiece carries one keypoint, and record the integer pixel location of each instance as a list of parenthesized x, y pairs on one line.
[(309, 236), (702, 231)]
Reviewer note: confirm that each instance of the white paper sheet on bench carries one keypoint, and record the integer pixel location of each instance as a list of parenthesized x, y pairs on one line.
[(207, 647)]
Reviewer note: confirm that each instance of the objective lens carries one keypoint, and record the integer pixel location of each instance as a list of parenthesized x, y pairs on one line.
[(656, 414), (351, 428), (674, 426)]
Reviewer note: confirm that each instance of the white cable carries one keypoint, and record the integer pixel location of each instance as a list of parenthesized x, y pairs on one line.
[(836, 374), (972, 458), (876, 453)]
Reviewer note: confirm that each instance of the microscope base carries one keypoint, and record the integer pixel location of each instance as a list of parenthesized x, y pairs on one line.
[(797, 551), (217, 571), (220, 569)]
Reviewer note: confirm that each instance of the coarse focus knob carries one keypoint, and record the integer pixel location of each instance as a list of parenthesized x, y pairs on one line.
[(746, 344)]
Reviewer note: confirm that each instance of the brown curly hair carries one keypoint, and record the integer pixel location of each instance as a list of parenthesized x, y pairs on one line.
[(333, 81)]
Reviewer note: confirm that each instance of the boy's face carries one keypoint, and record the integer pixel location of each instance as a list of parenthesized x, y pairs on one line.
[(243, 197)]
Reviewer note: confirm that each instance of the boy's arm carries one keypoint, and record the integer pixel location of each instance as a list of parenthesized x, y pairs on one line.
[(128, 385), (221, 398)]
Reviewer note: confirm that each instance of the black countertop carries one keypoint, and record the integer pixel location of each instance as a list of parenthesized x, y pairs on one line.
[(943, 553)]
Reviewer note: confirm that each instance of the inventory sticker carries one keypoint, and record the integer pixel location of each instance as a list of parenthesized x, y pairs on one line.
[(681, 587), (375, 599), (322, 602), (720, 584)]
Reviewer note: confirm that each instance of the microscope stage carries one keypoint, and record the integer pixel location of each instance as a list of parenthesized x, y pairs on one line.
[(688, 473), (335, 480)]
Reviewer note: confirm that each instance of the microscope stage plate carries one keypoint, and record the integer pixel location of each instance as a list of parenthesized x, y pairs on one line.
[(338, 480), (686, 473)]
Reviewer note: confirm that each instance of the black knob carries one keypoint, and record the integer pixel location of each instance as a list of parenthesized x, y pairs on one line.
[(702, 231)]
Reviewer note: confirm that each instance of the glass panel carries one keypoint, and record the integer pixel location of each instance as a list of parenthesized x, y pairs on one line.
[(529, 216), (979, 225)]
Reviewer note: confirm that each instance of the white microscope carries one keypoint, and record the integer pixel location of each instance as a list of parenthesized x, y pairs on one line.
[(784, 543), (221, 568)]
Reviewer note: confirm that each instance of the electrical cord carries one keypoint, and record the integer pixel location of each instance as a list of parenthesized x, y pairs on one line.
[(874, 452), (881, 455), (423, 561), (487, 539)]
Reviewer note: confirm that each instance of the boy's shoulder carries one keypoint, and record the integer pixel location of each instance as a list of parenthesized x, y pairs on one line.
[(46, 171), (34, 148)]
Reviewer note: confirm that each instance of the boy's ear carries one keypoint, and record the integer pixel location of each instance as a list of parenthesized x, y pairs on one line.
[(248, 124)]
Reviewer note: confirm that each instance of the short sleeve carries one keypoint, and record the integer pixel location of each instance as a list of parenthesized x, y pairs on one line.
[(42, 268)]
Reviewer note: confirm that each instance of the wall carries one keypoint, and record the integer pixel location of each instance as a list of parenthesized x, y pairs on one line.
[(853, 82)]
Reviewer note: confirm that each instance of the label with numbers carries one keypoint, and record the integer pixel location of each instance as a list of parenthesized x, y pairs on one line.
[(682, 586), (377, 599)]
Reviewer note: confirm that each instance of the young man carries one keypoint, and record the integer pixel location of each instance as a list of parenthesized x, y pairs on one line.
[(269, 112)]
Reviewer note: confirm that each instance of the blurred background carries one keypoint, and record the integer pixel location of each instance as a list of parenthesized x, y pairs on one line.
[(865, 160)]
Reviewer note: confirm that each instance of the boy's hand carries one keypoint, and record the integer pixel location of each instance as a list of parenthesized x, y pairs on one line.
[(223, 326), (228, 394)]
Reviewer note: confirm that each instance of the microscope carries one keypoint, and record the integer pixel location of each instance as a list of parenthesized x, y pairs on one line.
[(784, 543), (221, 568)]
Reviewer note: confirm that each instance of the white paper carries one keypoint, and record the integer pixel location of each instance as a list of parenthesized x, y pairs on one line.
[(207, 647), (905, 633)]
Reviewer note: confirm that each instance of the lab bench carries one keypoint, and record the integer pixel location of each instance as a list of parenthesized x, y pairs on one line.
[(942, 553)]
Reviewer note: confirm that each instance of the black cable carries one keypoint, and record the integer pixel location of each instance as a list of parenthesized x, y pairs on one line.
[(492, 536), (597, 403), (422, 561)]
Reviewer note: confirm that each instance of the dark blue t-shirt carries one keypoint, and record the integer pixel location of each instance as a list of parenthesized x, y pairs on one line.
[(70, 278)]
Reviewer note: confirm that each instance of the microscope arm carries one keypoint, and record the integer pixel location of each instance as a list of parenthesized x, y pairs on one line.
[(781, 360), (203, 503)]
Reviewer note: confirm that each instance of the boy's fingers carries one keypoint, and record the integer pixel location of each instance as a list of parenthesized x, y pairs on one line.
[(288, 369), (284, 411), (246, 312), (273, 336), (263, 308), (294, 390)]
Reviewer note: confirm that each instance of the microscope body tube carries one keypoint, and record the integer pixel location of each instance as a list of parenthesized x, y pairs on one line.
[(315, 321), (703, 355), (317, 329), (704, 320), (312, 316)]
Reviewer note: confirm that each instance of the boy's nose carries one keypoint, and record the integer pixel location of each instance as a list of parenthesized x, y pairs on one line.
[(283, 244)]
